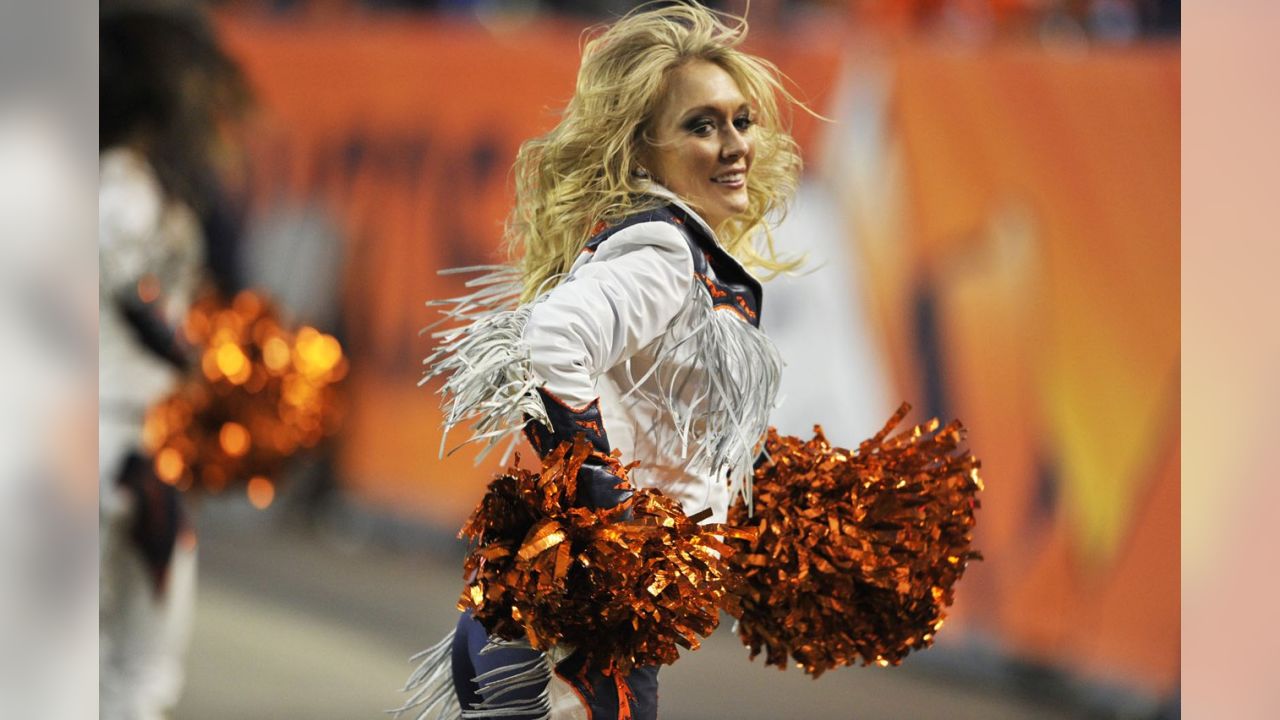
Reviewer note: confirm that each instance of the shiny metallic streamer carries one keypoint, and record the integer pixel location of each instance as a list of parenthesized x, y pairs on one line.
[(856, 553), (626, 592)]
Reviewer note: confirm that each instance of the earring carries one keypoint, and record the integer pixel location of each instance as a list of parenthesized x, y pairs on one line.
[(640, 172)]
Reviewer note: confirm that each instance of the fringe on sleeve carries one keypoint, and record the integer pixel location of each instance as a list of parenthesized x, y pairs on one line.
[(489, 379)]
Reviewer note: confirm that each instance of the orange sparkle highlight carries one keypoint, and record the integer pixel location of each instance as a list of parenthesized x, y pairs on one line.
[(276, 355), (231, 361), (154, 430), (209, 365), (317, 353), (247, 304), (148, 288), (169, 465), (297, 391), (261, 492), (260, 392), (234, 439)]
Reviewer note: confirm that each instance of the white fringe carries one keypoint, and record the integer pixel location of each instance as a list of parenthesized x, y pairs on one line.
[(489, 378), (435, 695), (736, 372), (717, 376), (432, 684), (535, 672)]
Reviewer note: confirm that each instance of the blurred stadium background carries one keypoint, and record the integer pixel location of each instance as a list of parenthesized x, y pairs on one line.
[(992, 219)]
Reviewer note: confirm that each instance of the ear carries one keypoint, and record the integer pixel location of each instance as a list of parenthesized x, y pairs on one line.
[(643, 163)]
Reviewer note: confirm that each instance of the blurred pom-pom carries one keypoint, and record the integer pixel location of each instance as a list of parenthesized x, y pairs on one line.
[(257, 394), (624, 593), (856, 553)]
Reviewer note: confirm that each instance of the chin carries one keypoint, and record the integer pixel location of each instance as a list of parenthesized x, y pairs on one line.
[(736, 209), (722, 208)]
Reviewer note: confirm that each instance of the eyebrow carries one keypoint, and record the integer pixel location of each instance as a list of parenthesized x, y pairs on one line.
[(710, 110)]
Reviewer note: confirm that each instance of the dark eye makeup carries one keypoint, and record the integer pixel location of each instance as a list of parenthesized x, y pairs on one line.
[(699, 125), (702, 125)]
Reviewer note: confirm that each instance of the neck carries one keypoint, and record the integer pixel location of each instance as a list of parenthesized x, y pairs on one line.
[(662, 191)]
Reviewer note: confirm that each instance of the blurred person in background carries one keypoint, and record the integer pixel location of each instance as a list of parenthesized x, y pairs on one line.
[(168, 94), (635, 221)]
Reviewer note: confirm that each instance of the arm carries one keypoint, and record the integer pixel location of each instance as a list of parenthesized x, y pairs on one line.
[(130, 208), (610, 307), (144, 236)]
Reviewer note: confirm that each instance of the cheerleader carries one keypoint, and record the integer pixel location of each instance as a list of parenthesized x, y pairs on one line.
[(166, 89), (631, 317)]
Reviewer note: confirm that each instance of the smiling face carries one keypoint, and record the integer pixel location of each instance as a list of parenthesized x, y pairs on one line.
[(702, 144)]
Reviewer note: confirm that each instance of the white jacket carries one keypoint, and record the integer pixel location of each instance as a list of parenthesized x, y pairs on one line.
[(650, 321)]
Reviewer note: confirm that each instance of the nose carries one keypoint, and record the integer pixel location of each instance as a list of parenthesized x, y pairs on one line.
[(735, 144)]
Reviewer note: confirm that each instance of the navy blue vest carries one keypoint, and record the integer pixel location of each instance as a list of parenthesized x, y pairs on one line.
[(731, 288)]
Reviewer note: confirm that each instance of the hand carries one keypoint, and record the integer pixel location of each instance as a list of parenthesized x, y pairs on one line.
[(599, 487)]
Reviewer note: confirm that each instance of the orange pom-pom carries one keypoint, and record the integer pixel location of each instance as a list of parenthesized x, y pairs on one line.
[(856, 554), (625, 593), (257, 394)]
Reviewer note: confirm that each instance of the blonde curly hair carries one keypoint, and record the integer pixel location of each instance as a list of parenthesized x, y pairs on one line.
[(583, 171)]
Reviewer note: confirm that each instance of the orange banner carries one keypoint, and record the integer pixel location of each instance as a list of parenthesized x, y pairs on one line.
[(1024, 271)]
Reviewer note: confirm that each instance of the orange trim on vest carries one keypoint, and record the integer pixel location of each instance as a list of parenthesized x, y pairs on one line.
[(576, 691)]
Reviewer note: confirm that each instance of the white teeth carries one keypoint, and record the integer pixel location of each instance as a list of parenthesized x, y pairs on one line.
[(730, 178)]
